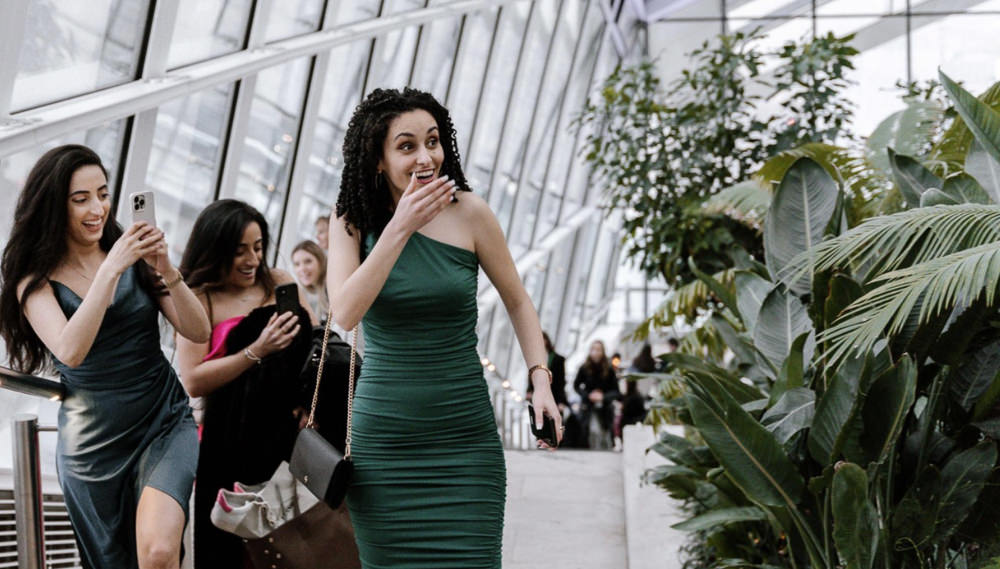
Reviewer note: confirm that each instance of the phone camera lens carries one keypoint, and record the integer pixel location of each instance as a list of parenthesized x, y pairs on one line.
[(140, 202)]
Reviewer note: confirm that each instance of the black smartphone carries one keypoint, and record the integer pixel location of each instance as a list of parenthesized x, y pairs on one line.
[(287, 298), (547, 433)]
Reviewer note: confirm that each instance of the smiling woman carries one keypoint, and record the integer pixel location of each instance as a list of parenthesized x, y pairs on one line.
[(429, 473), (247, 371), (82, 295)]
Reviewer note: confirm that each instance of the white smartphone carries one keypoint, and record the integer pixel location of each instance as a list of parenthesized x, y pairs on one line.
[(143, 207)]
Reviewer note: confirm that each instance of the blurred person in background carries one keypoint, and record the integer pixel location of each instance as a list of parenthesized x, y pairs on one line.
[(309, 264), (323, 232), (597, 384)]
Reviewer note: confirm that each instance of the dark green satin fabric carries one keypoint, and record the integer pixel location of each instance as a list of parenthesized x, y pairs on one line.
[(430, 480)]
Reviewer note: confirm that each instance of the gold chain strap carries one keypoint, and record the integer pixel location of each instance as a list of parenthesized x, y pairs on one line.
[(319, 376)]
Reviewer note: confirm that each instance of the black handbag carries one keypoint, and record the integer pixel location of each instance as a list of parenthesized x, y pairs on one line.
[(315, 462)]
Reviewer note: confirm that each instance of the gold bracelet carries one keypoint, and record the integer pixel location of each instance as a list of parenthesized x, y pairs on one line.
[(541, 367), (170, 284), (251, 356)]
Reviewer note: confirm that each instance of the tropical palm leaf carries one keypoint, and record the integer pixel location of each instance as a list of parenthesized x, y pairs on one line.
[(688, 301), (746, 202), (948, 155), (910, 237), (931, 288)]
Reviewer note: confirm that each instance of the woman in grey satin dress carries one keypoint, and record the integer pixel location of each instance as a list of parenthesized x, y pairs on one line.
[(84, 296)]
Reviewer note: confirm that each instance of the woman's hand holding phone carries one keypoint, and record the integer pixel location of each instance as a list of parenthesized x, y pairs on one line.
[(281, 329)]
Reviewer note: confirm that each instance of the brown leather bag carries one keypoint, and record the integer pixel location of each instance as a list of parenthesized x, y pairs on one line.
[(320, 538)]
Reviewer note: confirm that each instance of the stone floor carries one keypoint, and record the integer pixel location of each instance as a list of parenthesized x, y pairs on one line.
[(565, 510)]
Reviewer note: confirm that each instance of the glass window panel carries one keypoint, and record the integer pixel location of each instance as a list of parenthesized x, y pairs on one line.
[(72, 48), (341, 94), (944, 42), (586, 241), (436, 56), (777, 33), (876, 70), (500, 78), (557, 277), (516, 129), (501, 339), (290, 18), (861, 7), (357, 10), (184, 163), (990, 6), (547, 128), (393, 59), (271, 138), (695, 9), (563, 151), (919, 7), (468, 76), (208, 28), (106, 140), (671, 42), (769, 8)]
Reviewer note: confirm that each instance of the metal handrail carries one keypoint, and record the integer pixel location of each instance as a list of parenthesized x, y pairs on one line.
[(31, 384), (27, 470)]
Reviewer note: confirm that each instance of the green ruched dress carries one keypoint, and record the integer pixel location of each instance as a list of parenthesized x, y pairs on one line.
[(430, 481)]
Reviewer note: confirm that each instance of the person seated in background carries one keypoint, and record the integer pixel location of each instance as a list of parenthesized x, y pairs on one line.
[(309, 264), (597, 384)]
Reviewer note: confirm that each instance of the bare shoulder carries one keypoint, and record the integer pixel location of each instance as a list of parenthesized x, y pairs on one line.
[(472, 206), (23, 285), (281, 276)]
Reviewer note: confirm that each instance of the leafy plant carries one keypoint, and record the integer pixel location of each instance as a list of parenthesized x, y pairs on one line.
[(853, 420)]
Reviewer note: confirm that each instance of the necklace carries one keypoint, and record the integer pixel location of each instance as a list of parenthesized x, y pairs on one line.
[(81, 273)]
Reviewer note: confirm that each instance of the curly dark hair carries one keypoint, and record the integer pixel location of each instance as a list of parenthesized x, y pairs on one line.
[(364, 203), (37, 246)]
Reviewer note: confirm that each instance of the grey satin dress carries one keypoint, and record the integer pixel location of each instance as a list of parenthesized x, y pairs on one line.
[(125, 424)]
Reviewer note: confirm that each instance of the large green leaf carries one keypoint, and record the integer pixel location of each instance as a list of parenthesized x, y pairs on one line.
[(839, 406), (855, 523), (963, 188), (699, 372), (722, 516), (680, 482), (975, 376), (983, 121), (843, 291), (935, 287), (907, 238), (933, 196), (745, 202), (887, 404), (912, 178), (751, 290), (781, 320), (792, 413), (792, 373), (802, 207), (752, 457), (962, 479), (907, 131), (985, 169)]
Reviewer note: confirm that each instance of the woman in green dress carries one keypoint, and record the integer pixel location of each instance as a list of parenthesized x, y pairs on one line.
[(404, 256)]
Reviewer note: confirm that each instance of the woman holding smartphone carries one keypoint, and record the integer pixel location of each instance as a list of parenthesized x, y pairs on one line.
[(86, 299), (405, 251), (247, 372)]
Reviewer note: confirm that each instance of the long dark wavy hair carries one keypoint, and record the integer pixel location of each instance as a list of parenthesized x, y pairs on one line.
[(364, 201), (211, 250), (37, 246)]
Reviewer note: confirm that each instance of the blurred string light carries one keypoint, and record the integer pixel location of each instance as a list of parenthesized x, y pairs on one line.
[(505, 382)]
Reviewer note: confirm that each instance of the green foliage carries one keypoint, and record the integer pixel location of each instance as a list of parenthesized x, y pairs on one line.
[(852, 422), (662, 152)]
